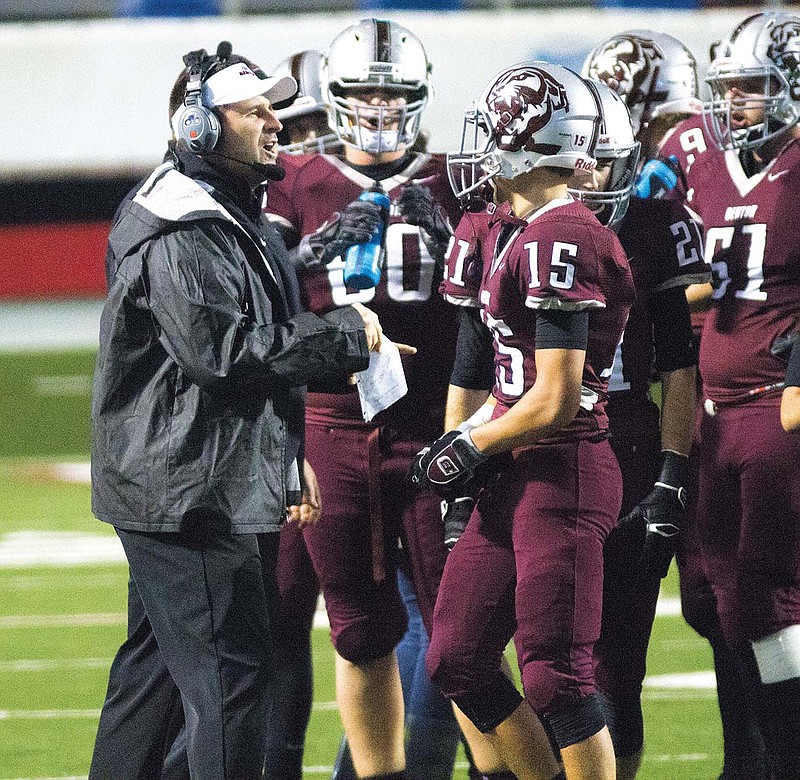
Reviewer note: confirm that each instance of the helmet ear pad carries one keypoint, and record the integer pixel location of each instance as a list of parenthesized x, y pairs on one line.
[(199, 128)]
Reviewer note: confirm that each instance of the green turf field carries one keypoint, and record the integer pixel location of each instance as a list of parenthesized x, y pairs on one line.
[(61, 623)]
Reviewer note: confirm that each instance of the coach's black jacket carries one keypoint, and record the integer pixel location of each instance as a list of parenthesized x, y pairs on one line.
[(197, 405)]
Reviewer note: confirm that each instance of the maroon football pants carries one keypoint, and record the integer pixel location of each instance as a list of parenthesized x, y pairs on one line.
[(748, 519), (530, 565)]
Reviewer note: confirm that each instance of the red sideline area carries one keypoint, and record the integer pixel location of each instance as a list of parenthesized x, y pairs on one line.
[(53, 261)]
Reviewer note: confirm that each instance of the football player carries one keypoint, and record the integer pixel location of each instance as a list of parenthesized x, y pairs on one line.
[(664, 247), (656, 76), (305, 117), (377, 84), (555, 292), (740, 170)]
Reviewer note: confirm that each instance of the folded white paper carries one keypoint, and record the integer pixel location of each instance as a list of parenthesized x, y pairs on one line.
[(384, 382)]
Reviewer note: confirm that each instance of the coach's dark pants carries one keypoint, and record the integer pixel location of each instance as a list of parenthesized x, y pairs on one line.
[(199, 633)]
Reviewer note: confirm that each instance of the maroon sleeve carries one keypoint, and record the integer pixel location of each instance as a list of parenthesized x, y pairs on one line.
[(463, 266)]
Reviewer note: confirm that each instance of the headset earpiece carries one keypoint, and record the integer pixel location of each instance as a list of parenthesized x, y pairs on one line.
[(198, 126)]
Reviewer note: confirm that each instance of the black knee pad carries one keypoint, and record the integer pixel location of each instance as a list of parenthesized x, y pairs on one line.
[(577, 722), (625, 723), (491, 704)]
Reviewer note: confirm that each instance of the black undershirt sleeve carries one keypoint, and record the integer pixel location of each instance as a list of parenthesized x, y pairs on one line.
[(556, 329), (672, 330), (473, 368), (793, 370)]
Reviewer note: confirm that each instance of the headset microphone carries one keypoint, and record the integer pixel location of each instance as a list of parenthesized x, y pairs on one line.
[(269, 171)]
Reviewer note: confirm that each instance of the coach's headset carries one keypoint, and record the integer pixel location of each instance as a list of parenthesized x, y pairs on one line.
[(198, 126)]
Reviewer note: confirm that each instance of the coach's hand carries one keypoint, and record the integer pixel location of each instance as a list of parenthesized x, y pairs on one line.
[(662, 512)]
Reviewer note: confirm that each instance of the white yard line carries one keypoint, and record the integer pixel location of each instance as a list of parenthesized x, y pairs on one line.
[(48, 714), (60, 548), (53, 664), (64, 621)]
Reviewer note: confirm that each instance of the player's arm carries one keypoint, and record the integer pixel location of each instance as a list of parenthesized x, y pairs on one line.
[(662, 510), (699, 296), (547, 407), (790, 401), (675, 361), (473, 369), (550, 405)]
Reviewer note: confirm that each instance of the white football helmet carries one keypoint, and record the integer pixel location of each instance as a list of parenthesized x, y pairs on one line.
[(654, 73), (531, 115), (617, 150), (306, 69), (377, 54), (764, 50)]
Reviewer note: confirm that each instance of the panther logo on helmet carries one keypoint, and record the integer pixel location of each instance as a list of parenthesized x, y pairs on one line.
[(785, 47), (785, 52), (522, 109), (624, 64)]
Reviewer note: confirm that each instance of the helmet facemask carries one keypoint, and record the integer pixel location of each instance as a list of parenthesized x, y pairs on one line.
[(767, 92), (617, 154), (610, 204), (471, 168), (754, 78), (375, 128)]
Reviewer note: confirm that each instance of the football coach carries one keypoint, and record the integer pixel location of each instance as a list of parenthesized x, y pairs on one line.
[(197, 427)]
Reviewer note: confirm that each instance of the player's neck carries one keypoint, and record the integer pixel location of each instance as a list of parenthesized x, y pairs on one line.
[(526, 202)]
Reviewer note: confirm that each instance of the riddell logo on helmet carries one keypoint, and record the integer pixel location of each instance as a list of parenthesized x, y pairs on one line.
[(523, 99), (585, 165)]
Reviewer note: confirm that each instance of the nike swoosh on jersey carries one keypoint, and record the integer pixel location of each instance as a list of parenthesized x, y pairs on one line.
[(773, 176)]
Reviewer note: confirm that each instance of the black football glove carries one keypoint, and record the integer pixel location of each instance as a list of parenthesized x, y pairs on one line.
[(782, 346), (416, 206), (455, 516), (661, 512), (447, 465), (354, 225)]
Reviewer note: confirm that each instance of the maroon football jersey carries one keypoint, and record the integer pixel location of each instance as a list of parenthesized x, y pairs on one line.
[(752, 241), (664, 247), (462, 263), (560, 258), (406, 299)]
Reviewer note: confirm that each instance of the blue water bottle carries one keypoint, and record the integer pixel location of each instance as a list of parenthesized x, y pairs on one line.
[(362, 262)]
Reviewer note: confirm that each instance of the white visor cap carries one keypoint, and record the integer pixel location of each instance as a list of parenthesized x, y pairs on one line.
[(238, 82)]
